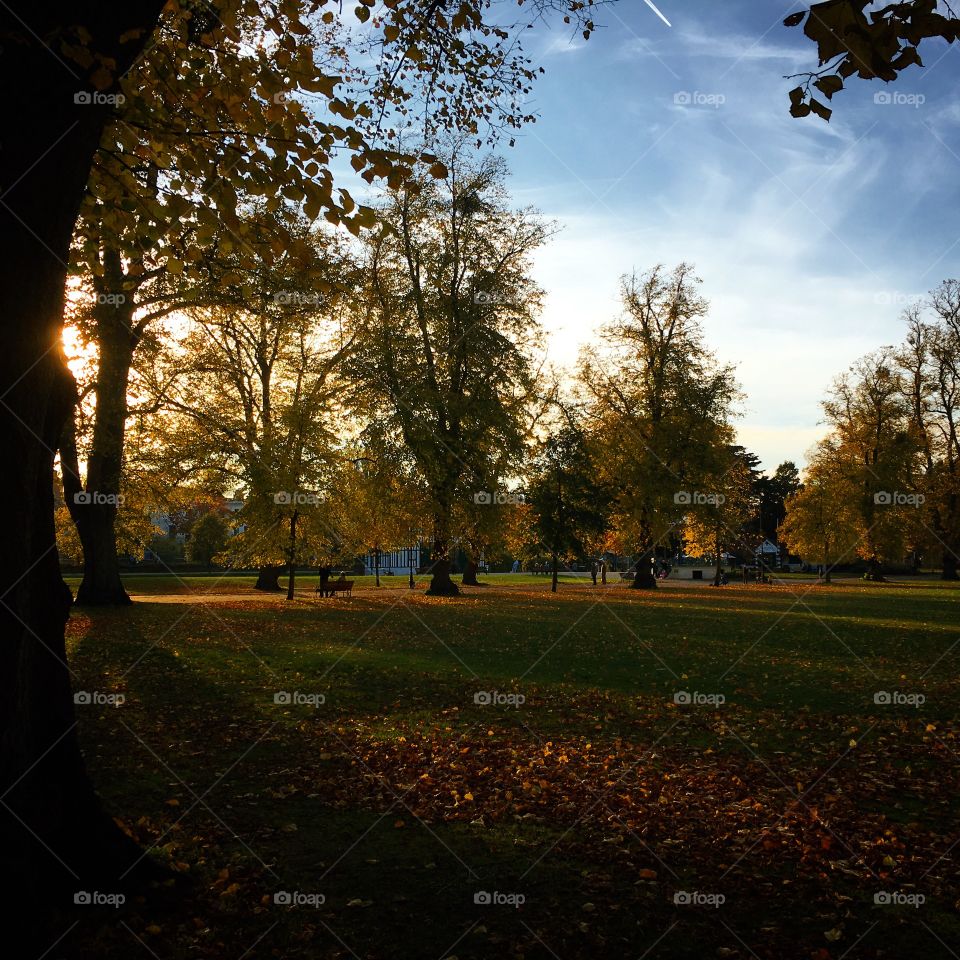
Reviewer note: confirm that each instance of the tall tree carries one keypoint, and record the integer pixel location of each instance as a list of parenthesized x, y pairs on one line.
[(930, 361), (876, 444), (445, 358), (662, 403), (565, 508), (821, 522)]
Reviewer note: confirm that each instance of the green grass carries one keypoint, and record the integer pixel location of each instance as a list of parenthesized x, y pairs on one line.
[(597, 799)]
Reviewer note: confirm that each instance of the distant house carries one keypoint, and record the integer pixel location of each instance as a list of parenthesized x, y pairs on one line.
[(768, 552), (397, 559)]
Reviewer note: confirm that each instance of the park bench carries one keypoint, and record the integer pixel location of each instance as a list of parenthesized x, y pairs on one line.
[(332, 587)]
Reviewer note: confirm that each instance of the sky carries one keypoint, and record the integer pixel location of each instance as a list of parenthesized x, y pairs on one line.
[(657, 144)]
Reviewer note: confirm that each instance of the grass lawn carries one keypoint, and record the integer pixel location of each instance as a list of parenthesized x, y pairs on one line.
[(760, 818)]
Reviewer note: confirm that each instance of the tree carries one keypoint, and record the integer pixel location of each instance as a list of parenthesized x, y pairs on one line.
[(716, 519), (876, 447), (565, 506), (661, 400), (930, 362), (821, 522), (207, 538), (382, 503), (873, 45), (773, 492), (445, 358), (251, 389)]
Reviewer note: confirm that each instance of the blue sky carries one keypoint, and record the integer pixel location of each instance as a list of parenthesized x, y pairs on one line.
[(810, 238)]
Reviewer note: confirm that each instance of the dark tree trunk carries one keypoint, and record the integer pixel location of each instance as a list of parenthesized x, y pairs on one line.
[(376, 565), (94, 511), (874, 570), (54, 835), (292, 558), (949, 570), (555, 570), (440, 583), (268, 579), (470, 573)]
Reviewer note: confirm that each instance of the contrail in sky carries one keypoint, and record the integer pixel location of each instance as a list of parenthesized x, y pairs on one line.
[(653, 7)]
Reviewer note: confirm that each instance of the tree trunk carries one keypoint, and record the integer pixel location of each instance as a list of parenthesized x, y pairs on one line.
[(644, 578), (874, 570), (718, 573), (470, 573), (440, 583), (555, 568), (94, 511), (54, 835), (949, 569), (376, 564), (292, 558), (268, 579)]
